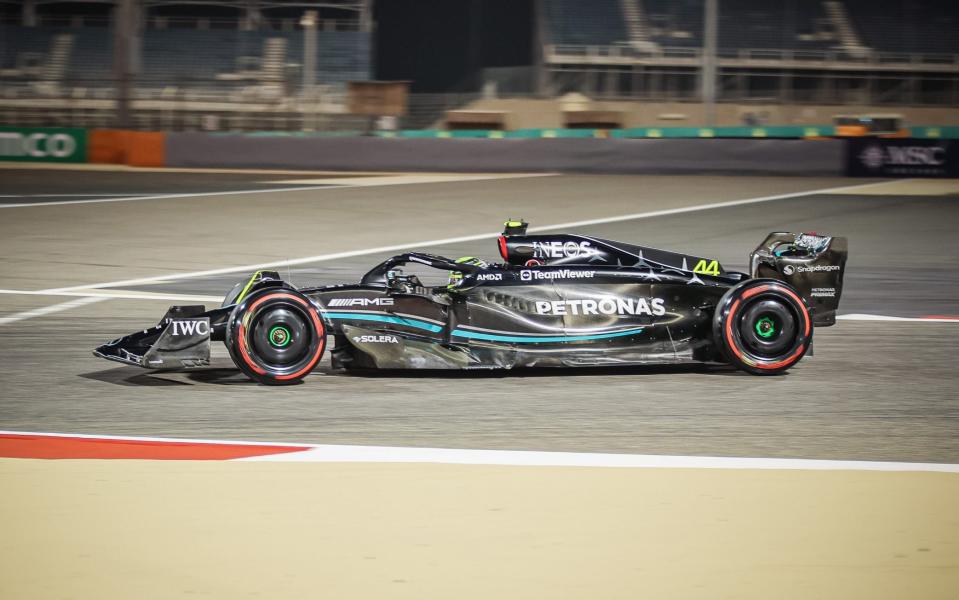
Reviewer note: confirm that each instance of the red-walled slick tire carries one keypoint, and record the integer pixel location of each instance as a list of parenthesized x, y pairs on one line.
[(276, 336), (763, 326)]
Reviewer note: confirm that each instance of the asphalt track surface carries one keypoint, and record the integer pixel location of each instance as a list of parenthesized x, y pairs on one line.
[(20, 185), (872, 391)]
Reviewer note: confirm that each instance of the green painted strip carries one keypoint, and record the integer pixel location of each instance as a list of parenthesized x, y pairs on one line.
[(935, 132), (43, 144)]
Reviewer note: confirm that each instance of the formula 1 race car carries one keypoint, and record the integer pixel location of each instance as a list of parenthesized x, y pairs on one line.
[(556, 300)]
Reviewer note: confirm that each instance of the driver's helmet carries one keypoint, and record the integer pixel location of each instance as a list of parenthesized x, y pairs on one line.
[(456, 277)]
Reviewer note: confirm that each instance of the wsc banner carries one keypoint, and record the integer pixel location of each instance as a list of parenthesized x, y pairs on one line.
[(43, 144), (902, 157)]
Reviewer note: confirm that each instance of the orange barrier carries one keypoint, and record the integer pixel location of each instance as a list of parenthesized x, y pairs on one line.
[(146, 149), (105, 146), (134, 148)]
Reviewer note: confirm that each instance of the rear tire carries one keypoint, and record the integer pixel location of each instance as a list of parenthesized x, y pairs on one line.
[(276, 336), (763, 326)]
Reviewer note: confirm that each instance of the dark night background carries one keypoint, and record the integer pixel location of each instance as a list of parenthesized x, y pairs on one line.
[(442, 45)]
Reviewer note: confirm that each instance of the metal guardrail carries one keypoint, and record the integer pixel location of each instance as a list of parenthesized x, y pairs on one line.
[(837, 58)]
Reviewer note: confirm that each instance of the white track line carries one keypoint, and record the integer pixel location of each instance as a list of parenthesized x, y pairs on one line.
[(392, 454), (314, 188), (65, 195), (862, 317), (701, 207), (409, 178), (114, 168), (455, 240), (124, 295), (284, 263), (167, 196), (386, 454), (49, 310)]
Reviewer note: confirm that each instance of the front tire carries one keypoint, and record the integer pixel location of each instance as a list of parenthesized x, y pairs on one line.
[(276, 336), (762, 326)]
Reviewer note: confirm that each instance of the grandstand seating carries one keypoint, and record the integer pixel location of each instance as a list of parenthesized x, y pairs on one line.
[(341, 55), (191, 57), (677, 23), (92, 59), (920, 26), (17, 42), (786, 25), (597, 22), (181, 56), (761, 24), (915, 26), (775, 25), (178, 55)]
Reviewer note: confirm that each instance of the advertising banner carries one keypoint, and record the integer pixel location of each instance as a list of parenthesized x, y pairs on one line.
[(902, 157), (43, 144)]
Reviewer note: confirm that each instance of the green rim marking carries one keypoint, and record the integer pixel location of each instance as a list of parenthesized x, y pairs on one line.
[(279, 336), (765, 327)]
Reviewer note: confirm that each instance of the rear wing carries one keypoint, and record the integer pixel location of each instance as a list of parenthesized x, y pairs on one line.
[(813, 264)]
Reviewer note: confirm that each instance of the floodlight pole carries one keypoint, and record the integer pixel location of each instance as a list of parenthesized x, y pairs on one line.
[(308, 22), (126, 37), (366, 16), (309, 50), (252, 16), (540, 39), (708, 75), (28, 13)]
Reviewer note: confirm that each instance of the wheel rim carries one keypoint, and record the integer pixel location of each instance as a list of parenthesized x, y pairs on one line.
[(276, 337), (754, 344), (280, 336), (768, 327)]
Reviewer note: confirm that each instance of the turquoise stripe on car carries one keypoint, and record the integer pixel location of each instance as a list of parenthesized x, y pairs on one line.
[(383, 319), (476, 335), (530, 339)]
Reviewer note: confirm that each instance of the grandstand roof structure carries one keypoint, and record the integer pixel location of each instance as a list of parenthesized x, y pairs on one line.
[(343, 4), (883, 34), (218, 57), (35, 12)]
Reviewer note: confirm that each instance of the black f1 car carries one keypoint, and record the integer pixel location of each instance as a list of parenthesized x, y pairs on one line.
[(556, 300)]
